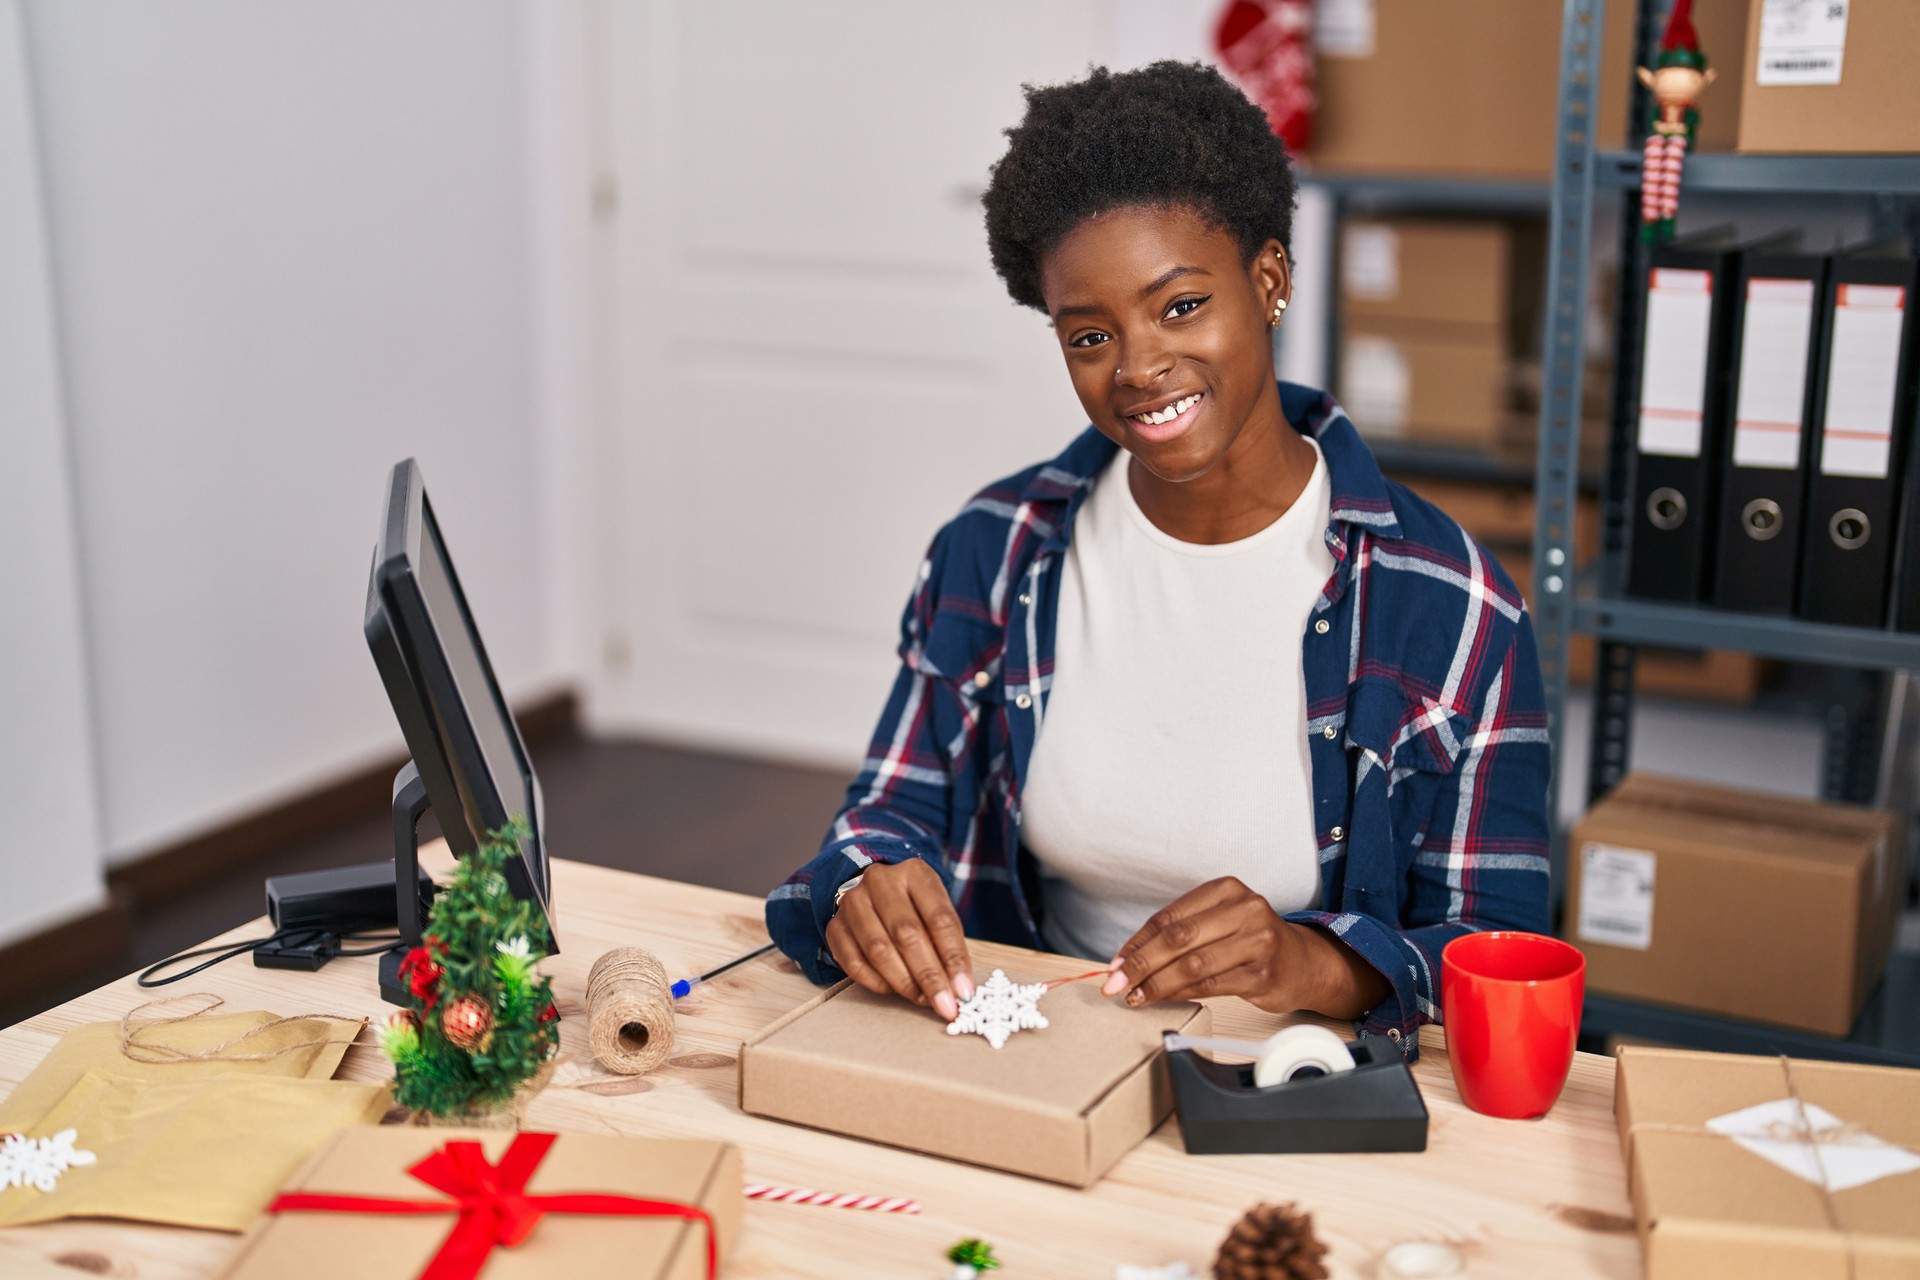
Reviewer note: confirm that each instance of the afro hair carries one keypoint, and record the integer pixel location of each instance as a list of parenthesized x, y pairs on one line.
[(1173, 134)]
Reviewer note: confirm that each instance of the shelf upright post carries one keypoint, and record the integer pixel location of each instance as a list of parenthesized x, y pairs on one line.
[(1611, 734), (1557, 467)]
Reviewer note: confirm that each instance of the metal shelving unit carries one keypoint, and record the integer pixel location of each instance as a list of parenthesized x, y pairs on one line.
[(1861, 657), (1382, 194)]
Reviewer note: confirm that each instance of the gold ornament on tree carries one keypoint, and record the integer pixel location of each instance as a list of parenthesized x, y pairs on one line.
[(1272, 1242)]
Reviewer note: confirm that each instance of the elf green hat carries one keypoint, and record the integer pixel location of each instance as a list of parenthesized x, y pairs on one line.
[(1680, 46)]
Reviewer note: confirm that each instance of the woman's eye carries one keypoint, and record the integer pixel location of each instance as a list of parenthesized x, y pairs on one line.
[(1185, 306), (1090, 339)]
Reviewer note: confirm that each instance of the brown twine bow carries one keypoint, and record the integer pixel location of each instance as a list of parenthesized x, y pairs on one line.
[(136, 1049), (1847, 1134)]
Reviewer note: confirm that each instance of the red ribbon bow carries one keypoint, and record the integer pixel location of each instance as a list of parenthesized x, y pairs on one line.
[(493, 1205)]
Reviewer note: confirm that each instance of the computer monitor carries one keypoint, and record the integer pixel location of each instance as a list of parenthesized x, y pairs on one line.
[(469, 765)]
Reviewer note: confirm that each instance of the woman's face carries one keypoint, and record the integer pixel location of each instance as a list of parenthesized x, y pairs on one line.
[(1166, 332)]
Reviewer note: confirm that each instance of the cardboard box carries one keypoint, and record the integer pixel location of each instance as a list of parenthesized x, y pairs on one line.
[(1429, 383), (1426, 271), (1063, 1103), (1870, 98), (1754, 906), (324, 1245), (1713, 1194), (1462, 88), (1884, 831)]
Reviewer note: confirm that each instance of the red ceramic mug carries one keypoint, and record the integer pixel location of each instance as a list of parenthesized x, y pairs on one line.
[(1511, 1003)]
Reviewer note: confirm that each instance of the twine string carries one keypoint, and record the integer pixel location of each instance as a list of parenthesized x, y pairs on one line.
[(1078, 977), (133, 1029)]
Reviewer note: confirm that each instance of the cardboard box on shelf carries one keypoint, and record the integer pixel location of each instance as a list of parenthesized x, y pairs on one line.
[(1827, 78), (1064, 1102), (1752, 1166), (1883, 829), (375, 1163), (1426, 271), (1441, 384), (1406, 91), (1744, 904)]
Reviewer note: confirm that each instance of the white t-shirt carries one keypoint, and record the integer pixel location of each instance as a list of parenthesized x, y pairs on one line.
[(1174, 749)]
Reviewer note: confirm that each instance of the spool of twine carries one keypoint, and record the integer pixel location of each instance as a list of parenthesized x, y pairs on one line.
[(629, 1011)]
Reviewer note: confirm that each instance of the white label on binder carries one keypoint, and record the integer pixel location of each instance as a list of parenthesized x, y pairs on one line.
[(1616, 896), (1673, 379), (1773, 373), (1802, 41), (1370, 262), (1375, 384), (1863, 364)]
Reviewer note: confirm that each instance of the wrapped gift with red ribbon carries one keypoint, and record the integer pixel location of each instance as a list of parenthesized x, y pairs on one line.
[(511, 1205)]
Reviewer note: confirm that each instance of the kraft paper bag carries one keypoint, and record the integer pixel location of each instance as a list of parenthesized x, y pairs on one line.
[(208, 1152), (98, 1045)]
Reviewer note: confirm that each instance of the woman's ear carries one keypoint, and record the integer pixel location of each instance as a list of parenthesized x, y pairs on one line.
[(1273, 279)]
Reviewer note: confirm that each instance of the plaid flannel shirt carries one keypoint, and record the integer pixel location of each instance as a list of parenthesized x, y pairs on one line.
[(1425, 718)]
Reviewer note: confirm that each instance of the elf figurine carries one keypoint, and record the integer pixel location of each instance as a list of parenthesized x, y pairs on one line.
[(1679, 75)]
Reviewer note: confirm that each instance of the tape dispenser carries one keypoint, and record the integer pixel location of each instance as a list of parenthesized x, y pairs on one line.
[(1305, 1090)]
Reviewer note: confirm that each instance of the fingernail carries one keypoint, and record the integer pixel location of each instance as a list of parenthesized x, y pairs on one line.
[(963, 985), (1115, 984), (943, 1004), (1136, 998)]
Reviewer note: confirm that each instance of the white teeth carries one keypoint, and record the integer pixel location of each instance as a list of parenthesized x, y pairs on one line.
[(1169, 413)]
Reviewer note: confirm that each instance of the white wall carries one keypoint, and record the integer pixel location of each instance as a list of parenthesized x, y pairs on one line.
[(51, 846), (291, 244)]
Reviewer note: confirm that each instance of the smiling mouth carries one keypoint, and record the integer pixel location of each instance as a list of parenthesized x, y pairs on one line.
[(1166, 413)]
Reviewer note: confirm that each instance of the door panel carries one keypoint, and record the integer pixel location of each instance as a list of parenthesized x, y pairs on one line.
[(811, 361)]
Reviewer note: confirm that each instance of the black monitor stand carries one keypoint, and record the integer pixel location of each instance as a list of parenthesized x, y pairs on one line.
[(409, 803)]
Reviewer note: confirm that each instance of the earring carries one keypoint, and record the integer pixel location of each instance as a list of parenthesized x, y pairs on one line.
[(1279, 305)]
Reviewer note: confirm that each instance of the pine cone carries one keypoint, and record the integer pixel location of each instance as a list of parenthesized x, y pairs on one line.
[(1272, 1242)]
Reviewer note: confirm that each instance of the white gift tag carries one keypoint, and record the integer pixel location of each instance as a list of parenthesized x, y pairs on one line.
[(1837, 1164), (1616, 896)]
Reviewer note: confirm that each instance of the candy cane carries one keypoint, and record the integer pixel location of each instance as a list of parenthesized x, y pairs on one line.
[(831, 1200)]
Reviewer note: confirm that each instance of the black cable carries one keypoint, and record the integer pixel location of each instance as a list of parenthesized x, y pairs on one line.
[(328, 942)]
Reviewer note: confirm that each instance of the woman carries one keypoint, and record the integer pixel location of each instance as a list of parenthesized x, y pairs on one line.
[(1205, 697)]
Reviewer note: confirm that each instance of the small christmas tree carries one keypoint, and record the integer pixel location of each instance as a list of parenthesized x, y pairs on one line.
[(482, 1022)]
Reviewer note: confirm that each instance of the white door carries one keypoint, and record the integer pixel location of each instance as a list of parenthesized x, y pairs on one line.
[(812, 364)]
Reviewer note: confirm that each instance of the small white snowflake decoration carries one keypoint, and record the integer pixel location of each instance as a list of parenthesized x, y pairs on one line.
[(998, 1008), (39, 1162)]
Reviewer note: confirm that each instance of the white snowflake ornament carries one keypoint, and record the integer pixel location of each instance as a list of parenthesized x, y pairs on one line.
[(39, 1162), (998, 1008)]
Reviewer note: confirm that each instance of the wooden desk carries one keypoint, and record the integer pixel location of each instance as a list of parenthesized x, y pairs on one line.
[(1520, 1199)]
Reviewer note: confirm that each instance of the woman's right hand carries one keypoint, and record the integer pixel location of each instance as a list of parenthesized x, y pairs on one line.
[(896, 932)]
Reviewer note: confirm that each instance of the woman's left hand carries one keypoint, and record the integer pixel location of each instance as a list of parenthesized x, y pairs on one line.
[(1221, 939)]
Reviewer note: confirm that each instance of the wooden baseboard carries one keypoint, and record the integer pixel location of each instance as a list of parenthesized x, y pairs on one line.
[(182, 867), (85, 944)]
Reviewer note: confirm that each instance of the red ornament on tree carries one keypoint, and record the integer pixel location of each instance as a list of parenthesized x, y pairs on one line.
[(404, 1020), (1265, 45), (421, 973), (468, 1023)]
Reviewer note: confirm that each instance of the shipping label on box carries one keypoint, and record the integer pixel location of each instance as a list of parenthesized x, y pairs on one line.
[(1616, 896), (1802, 41)]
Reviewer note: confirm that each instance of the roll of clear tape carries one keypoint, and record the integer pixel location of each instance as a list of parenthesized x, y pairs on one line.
[(629, 1011), (1292, 1053)]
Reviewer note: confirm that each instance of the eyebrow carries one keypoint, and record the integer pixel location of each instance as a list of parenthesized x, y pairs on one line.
[(1158, 283)]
